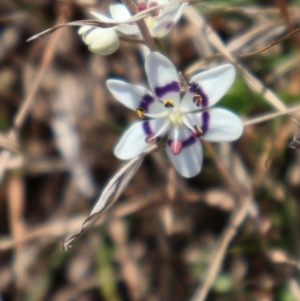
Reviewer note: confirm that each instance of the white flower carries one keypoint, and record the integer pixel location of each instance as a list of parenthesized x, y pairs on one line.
[(106, 41), (183, 120)]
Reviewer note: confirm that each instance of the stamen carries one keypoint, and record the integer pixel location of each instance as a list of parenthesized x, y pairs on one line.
[(168, 103), (187, 121), (162, 130), (197, 100), (197, 131), (151, 139), (197, 90), (140, 112), (176, 147)]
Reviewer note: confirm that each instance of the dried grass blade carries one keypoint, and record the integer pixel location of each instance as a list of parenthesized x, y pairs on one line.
[(74, 23), (236, 219), (131, 20), (9, 144), (110, 194), (272, 44), (252, 82), (269, 116), (253, 34)]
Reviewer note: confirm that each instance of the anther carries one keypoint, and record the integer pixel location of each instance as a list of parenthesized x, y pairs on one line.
[(168, 103), (141, 6), (197, 132), (140, 113), (197, 100), (194, 87)]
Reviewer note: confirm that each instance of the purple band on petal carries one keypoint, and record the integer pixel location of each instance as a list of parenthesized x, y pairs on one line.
[(196, 89), (185, 143), (145, 102), (146, 128), (171, 87), (205, 121), (189, 141)]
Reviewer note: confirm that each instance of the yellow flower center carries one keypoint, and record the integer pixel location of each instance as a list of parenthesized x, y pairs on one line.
[(150, 21), (175, 117)]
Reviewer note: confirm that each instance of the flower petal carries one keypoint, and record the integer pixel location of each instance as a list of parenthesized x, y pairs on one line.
[(170, 9), (134, 96), (92, 34), (211, 85), (166, 20), (158, 2), (218, 125), (163, 78), (119, 12), (188, 161), (180, 11), (128, 29), (133, 142)]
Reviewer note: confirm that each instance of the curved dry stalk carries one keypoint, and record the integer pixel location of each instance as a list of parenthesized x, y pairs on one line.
[(110, 194), (289, 35), (9, 144), (237, 218), (270, 116), (141, 25), (137, 17), (73, 23)]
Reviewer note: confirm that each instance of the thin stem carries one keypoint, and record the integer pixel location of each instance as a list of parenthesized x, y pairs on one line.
[(269, 116), (141, 25)]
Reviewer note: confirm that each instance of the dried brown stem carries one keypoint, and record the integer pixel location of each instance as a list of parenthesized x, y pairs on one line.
[(289, 35), (237, 218), (267, 117), (141, 25)]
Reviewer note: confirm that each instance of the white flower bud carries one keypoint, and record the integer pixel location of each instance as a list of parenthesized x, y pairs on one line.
[(103, 41)]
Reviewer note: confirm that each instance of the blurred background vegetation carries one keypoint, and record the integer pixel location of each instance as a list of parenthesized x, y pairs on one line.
[(233, 230)]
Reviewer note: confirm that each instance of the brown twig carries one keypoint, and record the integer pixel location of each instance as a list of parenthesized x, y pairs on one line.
[(141, 25)]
